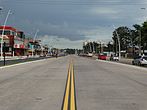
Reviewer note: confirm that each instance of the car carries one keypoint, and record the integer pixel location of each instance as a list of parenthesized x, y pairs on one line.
[(89, 54), (102, 57), (115, 58), (140, 60)]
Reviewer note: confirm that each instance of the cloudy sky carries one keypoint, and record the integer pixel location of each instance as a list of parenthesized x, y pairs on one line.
[(67, 23)]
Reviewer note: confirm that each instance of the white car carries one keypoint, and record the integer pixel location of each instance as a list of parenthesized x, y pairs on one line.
[(140, 60), (115, 58), (90, 55)]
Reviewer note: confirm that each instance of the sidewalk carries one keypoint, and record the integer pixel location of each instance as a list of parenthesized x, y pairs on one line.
[(122, 60), (15, 60), (126, 60), (18, 57)]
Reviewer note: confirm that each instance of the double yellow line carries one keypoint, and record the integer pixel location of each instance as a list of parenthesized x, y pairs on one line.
[(69, 100)]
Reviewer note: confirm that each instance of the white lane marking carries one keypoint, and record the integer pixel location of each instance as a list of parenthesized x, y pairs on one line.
[(22, 63), (122, 64)]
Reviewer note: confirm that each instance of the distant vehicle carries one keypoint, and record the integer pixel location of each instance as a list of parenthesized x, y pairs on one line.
[(90, 54), (115, 58), (102, 57), (140, 60), (42, 55)]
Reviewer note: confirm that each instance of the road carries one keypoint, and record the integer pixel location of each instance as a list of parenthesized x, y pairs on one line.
[(98, 85)]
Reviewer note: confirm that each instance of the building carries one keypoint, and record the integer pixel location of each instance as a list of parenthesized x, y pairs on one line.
[(14, 40), (34, 47), (45, 50), (18, 45)]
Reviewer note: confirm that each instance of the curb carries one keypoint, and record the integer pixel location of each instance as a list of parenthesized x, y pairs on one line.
[(123, 64), (2, 67)]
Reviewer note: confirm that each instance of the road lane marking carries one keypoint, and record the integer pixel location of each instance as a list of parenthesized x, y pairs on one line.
[(69, 99), (72, 97), (66, 96)]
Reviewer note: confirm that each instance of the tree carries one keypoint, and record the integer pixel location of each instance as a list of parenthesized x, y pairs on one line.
[(124, 34), (110, 47), (135, 34), (91, 47), (144, 36)]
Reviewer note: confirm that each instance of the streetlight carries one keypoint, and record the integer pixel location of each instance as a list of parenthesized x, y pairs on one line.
[(9, 12), (34, 41), (119, 49)]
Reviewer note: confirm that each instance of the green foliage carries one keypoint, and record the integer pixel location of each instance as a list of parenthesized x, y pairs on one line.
[(124, 35), (131, 37), (91, 47), (70, 51)]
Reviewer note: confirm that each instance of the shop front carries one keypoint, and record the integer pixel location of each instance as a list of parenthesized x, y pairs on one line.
[(19, 48)]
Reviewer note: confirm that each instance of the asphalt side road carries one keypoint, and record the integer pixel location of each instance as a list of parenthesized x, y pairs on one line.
[(99, 85)]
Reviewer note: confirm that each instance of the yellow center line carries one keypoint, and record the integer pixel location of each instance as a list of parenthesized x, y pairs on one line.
[(72, 97), (66, 101), (69, 102)]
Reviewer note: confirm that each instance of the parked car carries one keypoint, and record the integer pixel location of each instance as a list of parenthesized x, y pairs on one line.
[(115, 58), (140, 60), (102, 57), (90, 54)]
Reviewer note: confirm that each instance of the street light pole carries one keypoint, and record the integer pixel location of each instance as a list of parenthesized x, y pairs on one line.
[(119, 48), (9, 12), (33, 41)]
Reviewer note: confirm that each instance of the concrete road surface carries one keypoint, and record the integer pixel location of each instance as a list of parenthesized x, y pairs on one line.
[(34, 86), (110, 86), (99, 85)]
